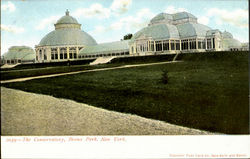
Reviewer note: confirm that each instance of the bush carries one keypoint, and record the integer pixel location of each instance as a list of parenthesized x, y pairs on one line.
[(164, 77)]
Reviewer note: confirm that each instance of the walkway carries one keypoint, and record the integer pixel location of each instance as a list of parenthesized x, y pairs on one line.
[(24, 113), (76, 72)]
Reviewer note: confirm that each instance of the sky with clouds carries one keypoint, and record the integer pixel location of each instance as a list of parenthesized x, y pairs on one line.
[(26, 22)]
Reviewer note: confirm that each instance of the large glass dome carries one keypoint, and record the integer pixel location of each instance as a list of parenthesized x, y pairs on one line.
[(166, 26), (67, 36), (67, 32)]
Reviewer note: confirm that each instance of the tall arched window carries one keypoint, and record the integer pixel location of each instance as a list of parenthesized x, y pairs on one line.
[(45, 55), (40, 54), (72, 52)]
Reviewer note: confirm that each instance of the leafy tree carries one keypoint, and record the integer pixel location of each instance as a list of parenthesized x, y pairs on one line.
[(128, 36)]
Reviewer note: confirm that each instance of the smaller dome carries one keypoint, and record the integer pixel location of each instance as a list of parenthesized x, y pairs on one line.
[(226, 34), (161, 17), (67, 19), (20, 52), (213, 32), (183, 15), (230, 42), (159, 31)]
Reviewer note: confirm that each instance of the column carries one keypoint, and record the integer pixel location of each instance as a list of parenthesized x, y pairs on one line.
[(48, 50), (67, 52), (196, 43), (77, 51), (148, 46), (174, 45), (162, 45), (169, 44), (58, 53), (188, 45), (180, 45), (42, 54), (37, 55), (154, 47), (135, 47), (212, 45), (206, 44)]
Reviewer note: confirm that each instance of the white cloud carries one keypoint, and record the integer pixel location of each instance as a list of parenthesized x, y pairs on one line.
[(95, 10), (172, 10), (120, 6), (12, 29), (10, 7), (127, 24), (237, 17), (47, 23), (131, 23), (136, 22), (203, 20), (98, 11)]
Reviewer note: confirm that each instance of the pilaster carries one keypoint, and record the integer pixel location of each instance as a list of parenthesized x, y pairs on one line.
[(67, 52), (58, 53), (77, 52), (169, 44)]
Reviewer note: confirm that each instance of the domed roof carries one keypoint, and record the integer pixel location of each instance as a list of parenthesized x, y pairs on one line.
[(230, 42), (183, 15), (20, 52), (226, 34), (192, 29), (67, 36), (213, 32), (159, 31), (161, 17), (67, 32), (67, 19)]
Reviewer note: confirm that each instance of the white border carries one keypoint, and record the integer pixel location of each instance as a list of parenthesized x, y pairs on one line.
[(206, 146)]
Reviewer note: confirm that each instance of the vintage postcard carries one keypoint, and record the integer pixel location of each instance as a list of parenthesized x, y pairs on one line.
[(125, 79)]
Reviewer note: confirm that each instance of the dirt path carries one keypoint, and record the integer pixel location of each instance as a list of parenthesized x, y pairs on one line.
[(94, 70), (25, 113)]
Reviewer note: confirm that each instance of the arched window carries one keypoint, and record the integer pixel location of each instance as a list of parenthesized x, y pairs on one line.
[(72, 53), (63, 53), (45, 55), (40, 54), (54, 54)]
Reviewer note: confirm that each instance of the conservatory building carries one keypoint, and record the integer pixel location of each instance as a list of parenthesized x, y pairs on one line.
[(180, 32), (165, 34), (19, 54), (64, 43)]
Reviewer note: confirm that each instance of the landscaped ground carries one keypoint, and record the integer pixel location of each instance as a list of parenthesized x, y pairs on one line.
[(36, 114), (206, 91), (30, 70)]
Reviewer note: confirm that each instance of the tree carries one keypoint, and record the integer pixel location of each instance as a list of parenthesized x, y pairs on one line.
[(128, 36)]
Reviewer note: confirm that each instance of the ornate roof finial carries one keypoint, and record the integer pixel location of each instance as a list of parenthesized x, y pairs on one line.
[(67, 12)]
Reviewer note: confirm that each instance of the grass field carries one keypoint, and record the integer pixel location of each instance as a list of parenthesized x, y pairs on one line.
[(206, 91), (30, 70)]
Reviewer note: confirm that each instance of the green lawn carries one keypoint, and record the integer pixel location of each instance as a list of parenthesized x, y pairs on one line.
[(30, 70), (206, 91)]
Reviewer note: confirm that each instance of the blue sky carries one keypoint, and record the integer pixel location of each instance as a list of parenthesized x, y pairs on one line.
[(26, 22)]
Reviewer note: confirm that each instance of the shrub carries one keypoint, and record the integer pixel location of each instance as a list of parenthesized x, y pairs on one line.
[(164, 77)]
